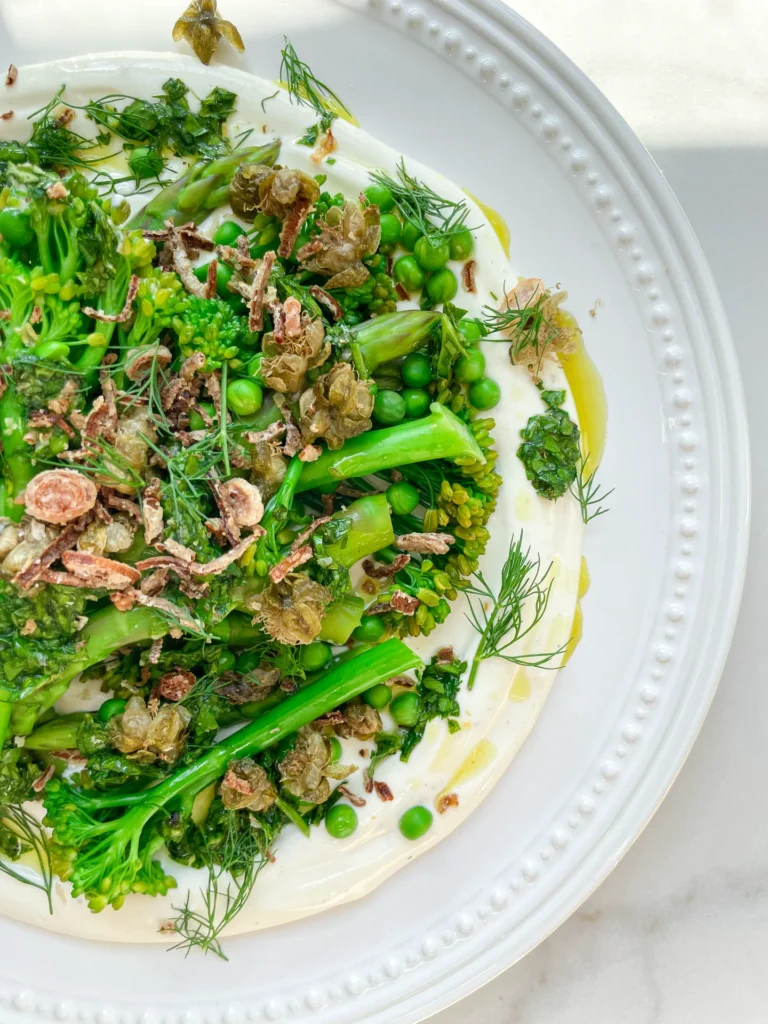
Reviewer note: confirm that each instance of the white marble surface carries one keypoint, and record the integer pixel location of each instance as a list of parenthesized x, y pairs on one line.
[(679, 932)]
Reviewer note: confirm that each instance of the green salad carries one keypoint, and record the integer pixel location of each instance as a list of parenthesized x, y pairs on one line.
[(241, 465)]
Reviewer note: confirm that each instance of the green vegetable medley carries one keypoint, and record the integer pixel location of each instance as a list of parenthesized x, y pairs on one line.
[(203, 431)]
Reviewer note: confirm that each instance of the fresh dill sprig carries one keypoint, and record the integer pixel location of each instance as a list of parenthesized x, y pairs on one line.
[(267, 99), (231, 880), (433, 215), (523, 579), (588, 493), (31, 835), (103, 460), (524, 324), (55, 145), (308, 91)]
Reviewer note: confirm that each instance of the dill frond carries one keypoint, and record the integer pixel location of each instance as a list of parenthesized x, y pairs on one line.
[(436, 217), (500, 618)]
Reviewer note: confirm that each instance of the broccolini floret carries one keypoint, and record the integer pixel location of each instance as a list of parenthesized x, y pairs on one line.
[(161, 298), (212, 327), (374, 298)]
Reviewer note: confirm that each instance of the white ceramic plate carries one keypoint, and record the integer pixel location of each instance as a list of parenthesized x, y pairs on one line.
[(481, 96)]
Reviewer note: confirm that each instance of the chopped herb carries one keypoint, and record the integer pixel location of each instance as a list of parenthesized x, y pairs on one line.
[(387, 744), (167, 123), (268, 98), (438, 690), (550, 450)]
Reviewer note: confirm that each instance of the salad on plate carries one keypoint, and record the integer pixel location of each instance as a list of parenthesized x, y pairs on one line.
[(294, 492)]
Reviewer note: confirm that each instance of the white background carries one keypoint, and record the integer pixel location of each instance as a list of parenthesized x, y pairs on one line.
[(679, 932)]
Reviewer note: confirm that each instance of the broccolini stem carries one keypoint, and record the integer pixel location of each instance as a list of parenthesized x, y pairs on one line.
[(199, 191), (341, 618), (237, 631), (255, 708), (341, 683), (268, 550), (60, 734), (6, 707), (107, 630), (19, 467), (370, 528), (441, 435), (392, 336)]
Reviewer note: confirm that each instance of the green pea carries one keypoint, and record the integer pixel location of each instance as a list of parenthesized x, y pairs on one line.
[(315, 656), (196, 421), (431, 255), (417, 402), (370, 630), (228, 233), (408, 272), (248, 662), (268, 238), (416, 370), (336, 750), (341, 821), (416, 822), (244, 397), (470, 367), (411, 235), (406, 708), (391, 229), (403, 498), (484, 394), (462, 244), (378, 696), (442, 286), (471, 329), (16, 228), (110, 708), (223, 277), (388, 408), (381, 196), (226, 662)]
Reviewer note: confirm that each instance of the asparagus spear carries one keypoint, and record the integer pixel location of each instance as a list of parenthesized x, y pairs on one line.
[(202, 189)]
